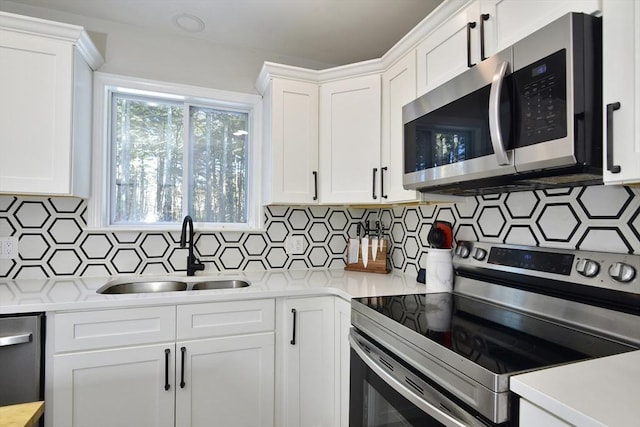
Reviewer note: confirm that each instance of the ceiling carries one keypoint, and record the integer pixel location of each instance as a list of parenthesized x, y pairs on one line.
[(332, 32)]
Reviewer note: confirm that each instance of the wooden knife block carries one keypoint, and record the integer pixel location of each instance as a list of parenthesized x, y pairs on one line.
[(380, 265)]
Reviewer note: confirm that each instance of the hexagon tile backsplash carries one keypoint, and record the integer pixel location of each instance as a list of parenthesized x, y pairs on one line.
[(53, 239)]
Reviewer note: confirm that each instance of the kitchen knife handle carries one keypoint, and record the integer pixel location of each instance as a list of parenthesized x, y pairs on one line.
[(167, 353), (483, 17), (293, 337), (315, 185), (610, 166), (470, 25), (382, 172), (183, 350), (375, 171)]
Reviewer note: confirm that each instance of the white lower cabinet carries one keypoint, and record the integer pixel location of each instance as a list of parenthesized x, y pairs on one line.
[(534, 416), (217, 370), (305, 363)]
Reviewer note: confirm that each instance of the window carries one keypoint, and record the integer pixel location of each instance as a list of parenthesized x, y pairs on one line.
[(164, 155)]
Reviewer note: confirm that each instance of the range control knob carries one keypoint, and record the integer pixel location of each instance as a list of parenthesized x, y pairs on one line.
[(587, 267), (480, 254), (622, 272), (463, 251)]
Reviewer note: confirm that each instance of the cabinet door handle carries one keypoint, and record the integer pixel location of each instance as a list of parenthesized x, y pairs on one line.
[(167, 353), (483, 17), (610, 166), (293, 337), (470, 25), (382, 172), (183, 351), (375, 171), (315, 185)]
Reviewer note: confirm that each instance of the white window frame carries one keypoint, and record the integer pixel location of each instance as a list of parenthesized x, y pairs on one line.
[(98, 210)]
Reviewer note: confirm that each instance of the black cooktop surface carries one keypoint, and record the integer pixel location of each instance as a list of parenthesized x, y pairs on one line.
[(499, 339)]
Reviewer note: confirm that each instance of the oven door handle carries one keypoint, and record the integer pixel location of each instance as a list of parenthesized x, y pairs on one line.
[(433, 409), (494, 114)]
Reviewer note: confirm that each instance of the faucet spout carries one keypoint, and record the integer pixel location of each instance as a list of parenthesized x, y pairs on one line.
[(193, 263)]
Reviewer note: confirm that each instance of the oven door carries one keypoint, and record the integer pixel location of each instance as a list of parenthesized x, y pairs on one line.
[(383, 392)]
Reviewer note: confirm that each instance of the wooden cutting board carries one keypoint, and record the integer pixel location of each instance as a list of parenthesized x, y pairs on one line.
[(21, 415)]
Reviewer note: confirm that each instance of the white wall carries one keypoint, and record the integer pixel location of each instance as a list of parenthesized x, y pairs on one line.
[(189, 60)]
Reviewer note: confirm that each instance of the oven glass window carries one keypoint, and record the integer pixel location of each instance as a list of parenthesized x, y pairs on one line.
[(373, 403)]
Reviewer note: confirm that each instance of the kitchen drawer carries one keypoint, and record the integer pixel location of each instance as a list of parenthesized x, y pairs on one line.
[(113, 328), (225, 318)]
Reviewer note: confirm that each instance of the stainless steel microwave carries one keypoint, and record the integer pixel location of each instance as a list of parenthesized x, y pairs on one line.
[(528, 117)]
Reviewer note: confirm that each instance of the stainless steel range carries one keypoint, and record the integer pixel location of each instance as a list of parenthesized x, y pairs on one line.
[(446, 358)]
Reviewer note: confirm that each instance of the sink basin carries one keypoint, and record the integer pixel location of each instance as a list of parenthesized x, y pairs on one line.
[(150, 286), (220, 284), (142, 287)]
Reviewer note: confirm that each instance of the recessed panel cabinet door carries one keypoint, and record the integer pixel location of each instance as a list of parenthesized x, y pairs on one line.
[(119, 387), (350, 140), (306, 363), (226, 381), (621, 74)]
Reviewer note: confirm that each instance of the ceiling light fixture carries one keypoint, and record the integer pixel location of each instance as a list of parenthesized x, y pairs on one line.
[(189, 23)]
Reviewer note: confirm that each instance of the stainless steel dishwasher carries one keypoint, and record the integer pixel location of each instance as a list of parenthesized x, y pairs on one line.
[(21, 364)]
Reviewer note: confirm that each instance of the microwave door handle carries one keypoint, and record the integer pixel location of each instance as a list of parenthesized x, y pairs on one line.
[(494, 114)]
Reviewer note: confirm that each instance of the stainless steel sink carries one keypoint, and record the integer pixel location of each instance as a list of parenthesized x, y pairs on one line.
[(142, 287), (150, 286), (220, 284)]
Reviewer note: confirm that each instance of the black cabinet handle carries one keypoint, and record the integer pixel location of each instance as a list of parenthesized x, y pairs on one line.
[(382, 193), (610, 166), (315, 185), (167, 353), (470, 25), (373, 194), (483, 17), (293, 338), (183, 350)]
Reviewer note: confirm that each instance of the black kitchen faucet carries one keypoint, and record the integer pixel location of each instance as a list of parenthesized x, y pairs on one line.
[(193, 263)]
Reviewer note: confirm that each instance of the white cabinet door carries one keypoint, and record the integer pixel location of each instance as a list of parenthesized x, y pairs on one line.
[(449, 50), (621, 86), (398, 89), (291, 142), (226, 381), (118, 387), (350, 140), (512, 20), (305, 368), (45, 107)]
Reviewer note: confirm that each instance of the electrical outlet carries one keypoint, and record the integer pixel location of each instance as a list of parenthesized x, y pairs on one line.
[(294, 245), (9, 247)]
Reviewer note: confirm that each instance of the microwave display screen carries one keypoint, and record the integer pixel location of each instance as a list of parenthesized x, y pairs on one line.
[(540, 69)]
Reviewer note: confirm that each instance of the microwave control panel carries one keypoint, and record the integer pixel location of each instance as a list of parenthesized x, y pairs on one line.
[(542, 98)]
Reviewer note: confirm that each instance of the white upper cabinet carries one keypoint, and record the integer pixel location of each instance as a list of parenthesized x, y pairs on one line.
[(350, 140), (512, 20), (290, 154), (45, 107), (621, 73), (482, 28), (398, 89), (449, 50)]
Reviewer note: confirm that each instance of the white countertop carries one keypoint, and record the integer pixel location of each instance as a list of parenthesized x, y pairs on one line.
[(62, 294), (598, 392)]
